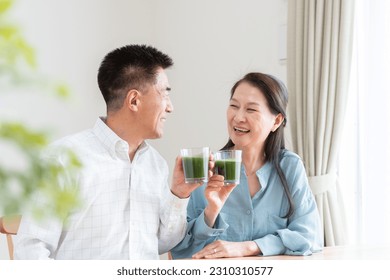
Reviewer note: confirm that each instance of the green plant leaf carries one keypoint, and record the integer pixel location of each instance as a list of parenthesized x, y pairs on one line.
[(53, 183), (5, 5), (26, 138), (62, 90)]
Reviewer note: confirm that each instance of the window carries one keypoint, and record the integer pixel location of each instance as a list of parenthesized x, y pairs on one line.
[(365, 150)]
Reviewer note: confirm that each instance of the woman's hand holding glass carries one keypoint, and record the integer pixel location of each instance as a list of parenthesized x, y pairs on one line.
[(216, 193), (227, 175)]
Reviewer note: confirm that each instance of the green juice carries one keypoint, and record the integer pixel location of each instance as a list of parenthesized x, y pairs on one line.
[(229, 168), (195, 168)]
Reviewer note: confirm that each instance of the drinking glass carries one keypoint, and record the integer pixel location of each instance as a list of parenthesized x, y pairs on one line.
[(228, 164), (195, 164)]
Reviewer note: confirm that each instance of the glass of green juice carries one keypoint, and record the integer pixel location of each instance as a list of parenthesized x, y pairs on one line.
[(195, 164), (228, 164)]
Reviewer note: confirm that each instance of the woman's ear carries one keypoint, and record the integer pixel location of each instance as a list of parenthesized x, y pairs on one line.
[(278, 121), (132, 100)]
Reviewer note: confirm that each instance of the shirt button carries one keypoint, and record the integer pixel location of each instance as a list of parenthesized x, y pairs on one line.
[(248, 212)]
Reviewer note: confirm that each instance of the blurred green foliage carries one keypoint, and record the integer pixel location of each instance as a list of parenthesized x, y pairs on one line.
[(41, 177), (18, 60)]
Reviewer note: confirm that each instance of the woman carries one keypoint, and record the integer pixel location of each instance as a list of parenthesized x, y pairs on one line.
[(272, 210)]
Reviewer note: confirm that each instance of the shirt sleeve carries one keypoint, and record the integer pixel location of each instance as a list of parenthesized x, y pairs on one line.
[(172, 221), (39, 238), (36, 240), (198, 234), (303, 235)]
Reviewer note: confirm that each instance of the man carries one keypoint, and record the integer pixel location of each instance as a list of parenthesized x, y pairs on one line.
[(128, 210)]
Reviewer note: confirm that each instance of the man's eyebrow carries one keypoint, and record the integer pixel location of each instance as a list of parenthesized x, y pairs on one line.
[(167, 88)]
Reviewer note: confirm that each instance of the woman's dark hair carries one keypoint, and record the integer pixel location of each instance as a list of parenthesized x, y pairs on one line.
[(276, 95), (129, 67)]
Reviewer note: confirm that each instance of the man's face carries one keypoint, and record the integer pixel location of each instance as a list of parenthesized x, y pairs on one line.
[(156, 105)]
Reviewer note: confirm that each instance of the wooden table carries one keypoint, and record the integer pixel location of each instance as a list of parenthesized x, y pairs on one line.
[(337, 253)]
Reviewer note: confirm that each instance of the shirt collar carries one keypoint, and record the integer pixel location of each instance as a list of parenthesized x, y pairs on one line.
[(116, 146), (111, 142), (264, 174)]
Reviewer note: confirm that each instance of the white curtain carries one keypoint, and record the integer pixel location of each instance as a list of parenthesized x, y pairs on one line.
[(319, 49), (365, 156)]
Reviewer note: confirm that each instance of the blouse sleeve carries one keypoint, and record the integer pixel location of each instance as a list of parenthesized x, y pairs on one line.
[(303, 235), (198, 233)]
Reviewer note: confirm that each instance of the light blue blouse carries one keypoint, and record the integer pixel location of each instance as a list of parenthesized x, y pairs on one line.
[(259, 218)]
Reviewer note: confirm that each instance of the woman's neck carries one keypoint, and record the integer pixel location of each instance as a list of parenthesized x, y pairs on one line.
[(252, 159)]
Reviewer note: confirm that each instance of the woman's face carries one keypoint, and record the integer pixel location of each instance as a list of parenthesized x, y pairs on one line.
[(249, 118)]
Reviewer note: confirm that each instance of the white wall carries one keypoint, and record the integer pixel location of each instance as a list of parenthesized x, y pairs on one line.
[(213, 44), (70, 38)]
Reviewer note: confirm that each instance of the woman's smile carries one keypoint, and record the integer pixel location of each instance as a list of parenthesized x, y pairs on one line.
[(240, 129)]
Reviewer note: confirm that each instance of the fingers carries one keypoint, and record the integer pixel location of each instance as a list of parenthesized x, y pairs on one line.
[(178, 160), (216, 179), (229, 187), (211, 165), (178, 164), (215, 182), (192, 186), (215, 255), (208, 253), (212, 251)]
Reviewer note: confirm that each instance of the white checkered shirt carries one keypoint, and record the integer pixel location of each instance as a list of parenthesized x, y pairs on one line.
[(128, 209)]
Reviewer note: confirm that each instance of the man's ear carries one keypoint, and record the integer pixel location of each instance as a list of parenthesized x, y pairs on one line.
[(278, 121), (132, 99)]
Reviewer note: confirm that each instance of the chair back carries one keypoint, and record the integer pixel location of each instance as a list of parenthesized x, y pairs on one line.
[(9, 226)]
